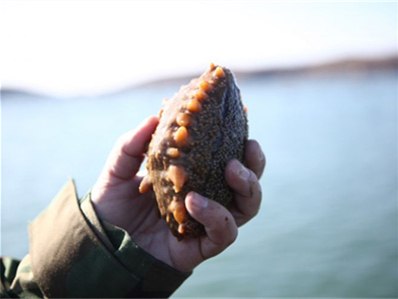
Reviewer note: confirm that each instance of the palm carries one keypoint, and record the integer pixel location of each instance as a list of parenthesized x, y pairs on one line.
[(138, 215)]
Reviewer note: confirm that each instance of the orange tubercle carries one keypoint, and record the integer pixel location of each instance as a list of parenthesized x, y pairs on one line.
[(145, 185), (181, 229), (181, 136), (219, 72), (200, 95), (205, 86), (172, 152), (183, 119), (180, 213), (177, 176), (212, 66), (194, 106)]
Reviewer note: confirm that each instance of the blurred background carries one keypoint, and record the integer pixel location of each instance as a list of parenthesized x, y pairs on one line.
[(320, 84)]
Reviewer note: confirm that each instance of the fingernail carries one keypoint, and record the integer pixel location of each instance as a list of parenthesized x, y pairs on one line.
[(199, 202), (241, 171)]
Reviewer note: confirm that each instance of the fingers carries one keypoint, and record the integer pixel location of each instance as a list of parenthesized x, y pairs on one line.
[(221, 230), (247, 190), (128, 153), (254, 157)]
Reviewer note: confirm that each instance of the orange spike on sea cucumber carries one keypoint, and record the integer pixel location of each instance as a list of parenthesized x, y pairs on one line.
[(180, 213), (178, 176), (145, 185), (181, 136), (183, 119), (181, 229), (200, 95), (205, 86), (173, 152), (219, 72), (194, 106)]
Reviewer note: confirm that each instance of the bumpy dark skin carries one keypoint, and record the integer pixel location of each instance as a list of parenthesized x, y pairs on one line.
[(201, 129)]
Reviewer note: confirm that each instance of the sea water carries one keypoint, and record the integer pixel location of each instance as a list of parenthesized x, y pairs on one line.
[(327, 226)]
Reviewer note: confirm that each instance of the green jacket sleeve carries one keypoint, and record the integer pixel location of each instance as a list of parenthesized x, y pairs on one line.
[(74, 255)]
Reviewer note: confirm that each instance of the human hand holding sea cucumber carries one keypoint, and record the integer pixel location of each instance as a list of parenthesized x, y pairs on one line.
[(117, 200)]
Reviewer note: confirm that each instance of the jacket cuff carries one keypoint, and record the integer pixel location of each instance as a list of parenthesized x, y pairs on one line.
[(70, 257)]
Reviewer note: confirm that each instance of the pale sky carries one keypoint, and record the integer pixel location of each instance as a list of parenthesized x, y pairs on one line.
[(69, 48)]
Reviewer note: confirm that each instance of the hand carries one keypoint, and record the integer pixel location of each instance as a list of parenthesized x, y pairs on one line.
[(117, 200)]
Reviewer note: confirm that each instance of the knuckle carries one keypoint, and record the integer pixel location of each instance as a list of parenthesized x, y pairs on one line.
[(253, 205), (254, 213), (252, 185), (232, 229), (246, 187), (251, 214)]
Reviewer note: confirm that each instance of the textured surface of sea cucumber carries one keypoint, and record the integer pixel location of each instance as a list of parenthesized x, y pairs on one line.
[(201, 128)]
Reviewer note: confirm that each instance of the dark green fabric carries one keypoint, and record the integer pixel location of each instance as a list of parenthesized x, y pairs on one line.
[(75, 255), (92, 277), (8, 268)]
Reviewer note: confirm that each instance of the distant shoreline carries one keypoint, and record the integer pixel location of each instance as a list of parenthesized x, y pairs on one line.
[(341, 65), (364, 65)]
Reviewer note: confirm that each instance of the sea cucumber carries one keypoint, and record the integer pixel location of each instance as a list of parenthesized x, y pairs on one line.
[(201, 128)]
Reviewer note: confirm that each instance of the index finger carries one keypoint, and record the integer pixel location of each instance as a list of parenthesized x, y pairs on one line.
[(128, 153)]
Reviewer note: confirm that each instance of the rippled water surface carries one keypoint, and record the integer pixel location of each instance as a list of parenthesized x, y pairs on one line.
[(328, 222)]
